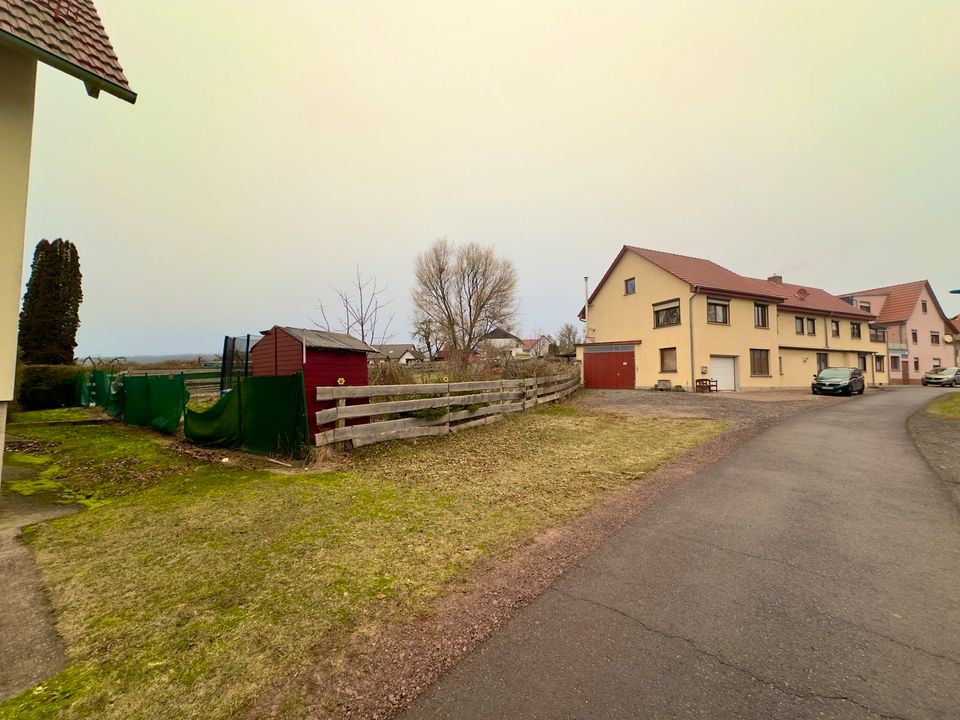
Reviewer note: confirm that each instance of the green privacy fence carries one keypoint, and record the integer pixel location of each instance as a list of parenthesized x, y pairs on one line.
[(260, 415), (142, 401)]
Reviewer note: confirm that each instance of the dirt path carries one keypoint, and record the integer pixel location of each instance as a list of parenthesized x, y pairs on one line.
[(30, 648)]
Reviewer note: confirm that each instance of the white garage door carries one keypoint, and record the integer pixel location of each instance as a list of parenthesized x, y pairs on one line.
[(724, 371)]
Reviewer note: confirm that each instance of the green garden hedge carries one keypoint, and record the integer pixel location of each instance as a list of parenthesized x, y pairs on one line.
[(43, 387)]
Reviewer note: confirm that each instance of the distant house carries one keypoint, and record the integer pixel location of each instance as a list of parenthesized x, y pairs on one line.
[(537, 347), (918, 334), (402, 354), (501, 341)]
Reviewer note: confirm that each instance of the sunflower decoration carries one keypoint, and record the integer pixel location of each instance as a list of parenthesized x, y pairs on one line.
[(341, 381), (445, 379)]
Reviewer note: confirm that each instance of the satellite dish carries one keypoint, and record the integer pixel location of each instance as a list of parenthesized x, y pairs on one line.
[(948, 338)]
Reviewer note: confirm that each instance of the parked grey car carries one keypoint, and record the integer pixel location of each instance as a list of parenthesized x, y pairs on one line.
[(945, 377), (838, 381)]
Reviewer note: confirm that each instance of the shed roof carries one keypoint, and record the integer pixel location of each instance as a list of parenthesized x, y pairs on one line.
[(67, 35), (326, 340)]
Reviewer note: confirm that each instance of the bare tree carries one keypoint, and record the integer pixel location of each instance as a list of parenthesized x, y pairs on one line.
[(360, 311), (567, 337), (465, 291), (427, 332)]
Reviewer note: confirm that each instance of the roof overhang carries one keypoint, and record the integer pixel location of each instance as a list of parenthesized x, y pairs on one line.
[(93, 82)]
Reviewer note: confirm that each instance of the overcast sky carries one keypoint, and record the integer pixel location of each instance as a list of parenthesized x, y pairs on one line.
[(275, 145)]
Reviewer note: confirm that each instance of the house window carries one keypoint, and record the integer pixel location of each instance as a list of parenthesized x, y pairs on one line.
[(629, 286), (811, 326), (936, 362), (761, 315), (718, 311), (934, 338), (913, 337), (895, 362), (668, 360), (665, 314), (916, 364), (854, 330), (865, 306), (923, 306), (760, 362), (878, 363), (835, 328), (798, 324), (878, 334), (862, 362), (823, 361)]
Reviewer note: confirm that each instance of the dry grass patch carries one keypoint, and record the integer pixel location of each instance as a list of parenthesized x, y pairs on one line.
[(202, 593)]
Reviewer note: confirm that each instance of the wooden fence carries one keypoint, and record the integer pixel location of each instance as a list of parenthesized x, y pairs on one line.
[(408, 411)]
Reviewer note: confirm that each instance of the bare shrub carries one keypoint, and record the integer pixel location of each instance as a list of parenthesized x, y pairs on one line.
[(388, 373)]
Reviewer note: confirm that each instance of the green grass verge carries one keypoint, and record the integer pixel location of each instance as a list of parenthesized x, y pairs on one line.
[(947, 406), (59, 415), (198, 588)]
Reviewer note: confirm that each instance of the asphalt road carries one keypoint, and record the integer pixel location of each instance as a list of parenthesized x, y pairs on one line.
[(812, 573)]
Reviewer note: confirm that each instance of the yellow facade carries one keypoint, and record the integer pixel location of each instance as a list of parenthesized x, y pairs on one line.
[(18, 75), (618, 316)]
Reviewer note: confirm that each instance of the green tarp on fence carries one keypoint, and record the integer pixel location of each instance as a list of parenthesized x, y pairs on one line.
[(144, 401), (260, 415), (156, 402)]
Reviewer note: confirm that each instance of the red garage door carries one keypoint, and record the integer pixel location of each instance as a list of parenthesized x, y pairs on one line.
[(608, 366)]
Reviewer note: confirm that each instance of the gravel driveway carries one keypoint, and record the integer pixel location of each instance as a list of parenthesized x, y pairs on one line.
[(748, 411)]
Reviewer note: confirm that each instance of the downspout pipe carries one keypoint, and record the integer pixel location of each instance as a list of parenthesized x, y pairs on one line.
[(693, 363), (586, 309)]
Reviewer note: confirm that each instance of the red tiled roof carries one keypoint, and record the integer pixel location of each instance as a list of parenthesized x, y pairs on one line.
[(68, 35), (707, 276), (900, 303), (817, 300)]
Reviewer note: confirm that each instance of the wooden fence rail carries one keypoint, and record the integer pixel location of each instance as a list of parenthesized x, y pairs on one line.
[(404, 411)]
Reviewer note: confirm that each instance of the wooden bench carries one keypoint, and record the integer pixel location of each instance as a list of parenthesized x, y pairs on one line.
[(707, 385)]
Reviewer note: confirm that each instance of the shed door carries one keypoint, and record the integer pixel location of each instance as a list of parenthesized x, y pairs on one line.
[(724, 371), (609, 366)]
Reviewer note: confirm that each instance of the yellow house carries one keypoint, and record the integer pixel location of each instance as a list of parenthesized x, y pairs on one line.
[(661, 319), (70, 37)]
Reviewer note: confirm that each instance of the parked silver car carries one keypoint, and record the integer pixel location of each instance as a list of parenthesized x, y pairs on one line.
[(945, 377)]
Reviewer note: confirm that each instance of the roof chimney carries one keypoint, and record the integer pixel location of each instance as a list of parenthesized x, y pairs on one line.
[(778, 279)]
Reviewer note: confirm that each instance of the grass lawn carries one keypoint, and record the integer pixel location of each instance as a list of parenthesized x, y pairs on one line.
[(947, 406), (191, 589)]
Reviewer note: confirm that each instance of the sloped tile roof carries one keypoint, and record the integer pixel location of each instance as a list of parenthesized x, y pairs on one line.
[(499, 333), (707, 276), (66, 34), (395, 351), (801, 297), (901, 300)]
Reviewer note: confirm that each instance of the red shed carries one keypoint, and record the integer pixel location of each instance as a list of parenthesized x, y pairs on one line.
[(324, 357)]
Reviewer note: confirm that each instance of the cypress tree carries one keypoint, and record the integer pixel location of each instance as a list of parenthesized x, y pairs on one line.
[(51, 308)]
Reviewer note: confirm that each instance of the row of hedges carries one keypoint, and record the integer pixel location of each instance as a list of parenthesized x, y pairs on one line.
[(44, 387)]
